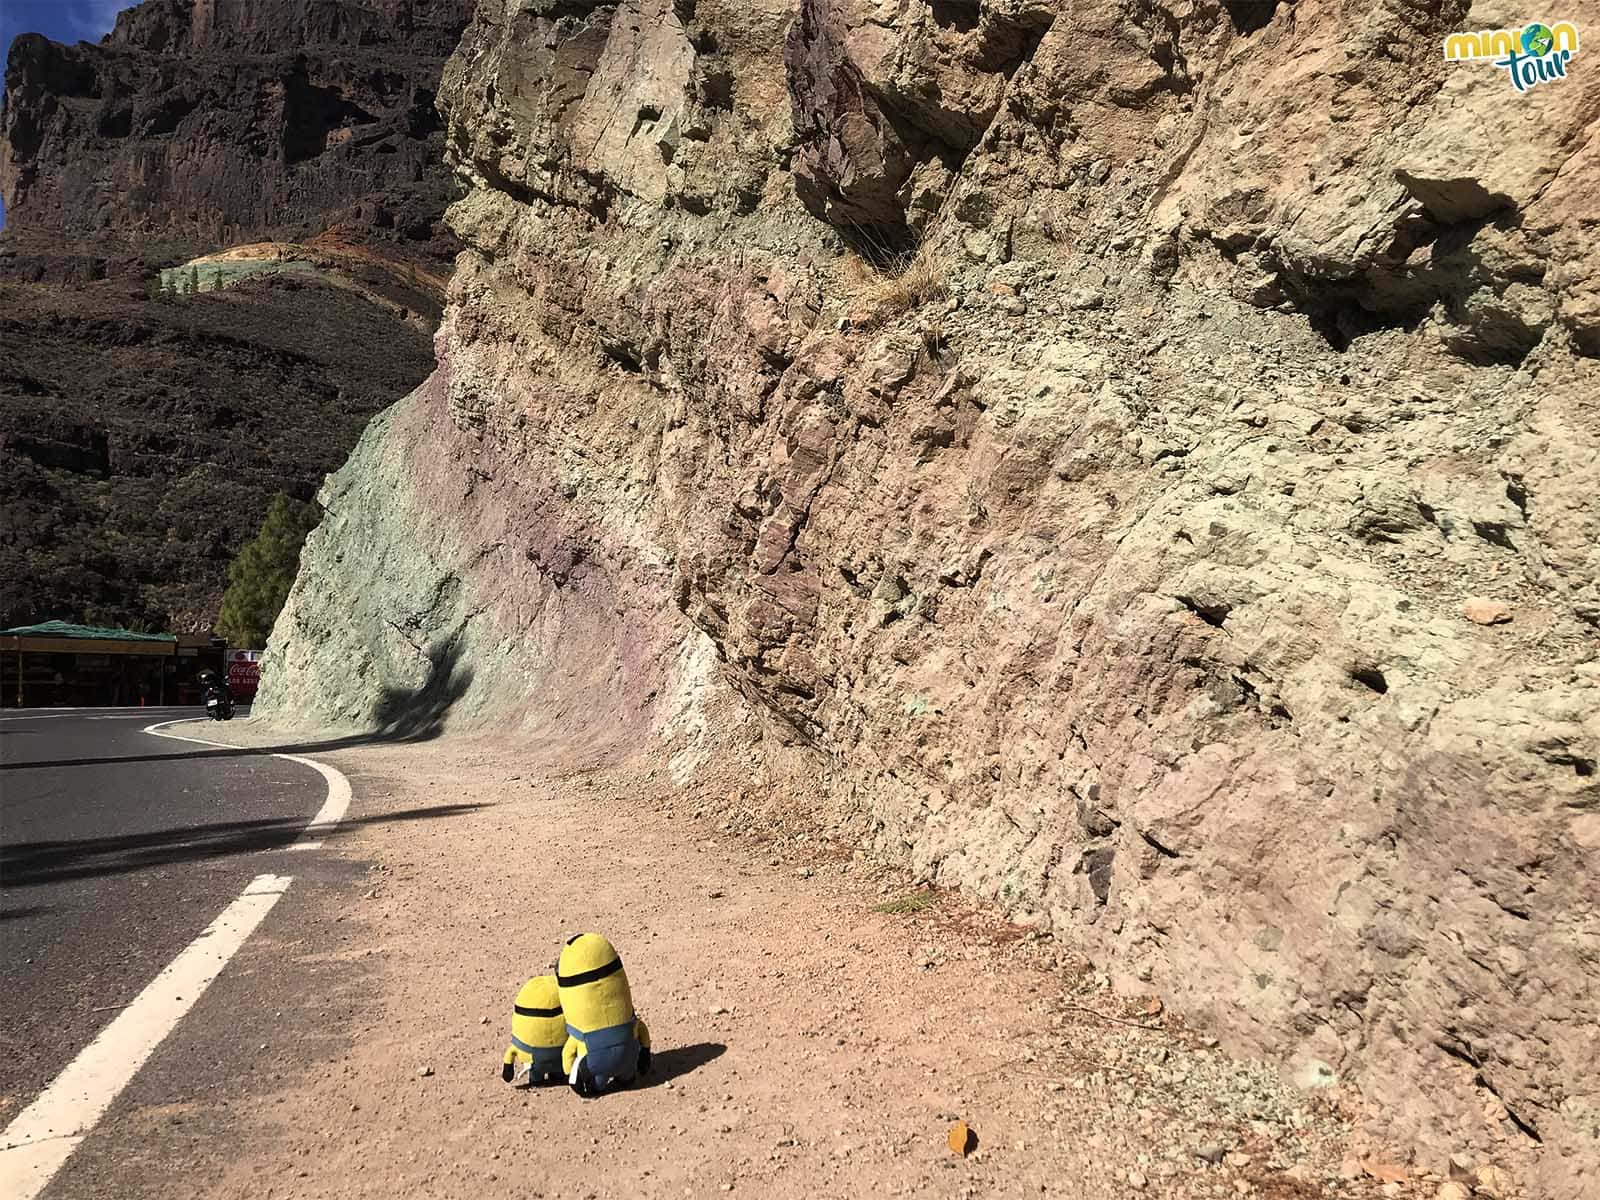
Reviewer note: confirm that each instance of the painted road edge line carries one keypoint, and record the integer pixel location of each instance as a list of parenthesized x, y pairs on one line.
[(40, 1139), (328, 816), (43, 1136)]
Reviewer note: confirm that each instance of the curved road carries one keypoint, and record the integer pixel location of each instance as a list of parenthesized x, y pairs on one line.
[(117, 848)]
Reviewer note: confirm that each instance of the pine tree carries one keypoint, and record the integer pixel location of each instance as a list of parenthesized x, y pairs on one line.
[(260, 577)]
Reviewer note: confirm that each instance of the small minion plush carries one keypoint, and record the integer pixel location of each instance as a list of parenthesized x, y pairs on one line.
[(538, 1034), (607, 1045)]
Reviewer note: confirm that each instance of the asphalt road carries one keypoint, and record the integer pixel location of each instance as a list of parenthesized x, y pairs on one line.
[(117, 847)]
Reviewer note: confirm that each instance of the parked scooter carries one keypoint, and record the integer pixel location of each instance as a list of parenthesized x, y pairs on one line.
[(219, 700)]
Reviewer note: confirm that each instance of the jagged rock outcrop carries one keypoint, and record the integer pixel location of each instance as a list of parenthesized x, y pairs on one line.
[(143, 434), (1111, 557), (218, 122)]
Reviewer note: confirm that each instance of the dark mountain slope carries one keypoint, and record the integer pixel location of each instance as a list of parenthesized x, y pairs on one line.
[(141, 436), (143, 440)]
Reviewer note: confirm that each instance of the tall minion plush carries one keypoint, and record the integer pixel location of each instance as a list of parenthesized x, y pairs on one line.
[(538, 1034), (607, 1045)]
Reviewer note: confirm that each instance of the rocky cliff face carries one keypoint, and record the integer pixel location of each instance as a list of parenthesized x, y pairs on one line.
[(1133, 461), (219, 121), (142, 435)]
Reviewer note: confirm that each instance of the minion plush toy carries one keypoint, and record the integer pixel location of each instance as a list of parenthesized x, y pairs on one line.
[(538, 1034), (607, 1045)]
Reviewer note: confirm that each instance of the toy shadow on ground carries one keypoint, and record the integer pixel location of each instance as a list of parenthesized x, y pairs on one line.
[(401, 715), (29, 864), (668, 1064)]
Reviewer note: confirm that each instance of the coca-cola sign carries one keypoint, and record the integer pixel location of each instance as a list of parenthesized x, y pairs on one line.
[(244, 673)]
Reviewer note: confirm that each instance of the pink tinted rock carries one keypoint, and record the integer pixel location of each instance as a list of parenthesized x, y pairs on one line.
[(1483, 611)]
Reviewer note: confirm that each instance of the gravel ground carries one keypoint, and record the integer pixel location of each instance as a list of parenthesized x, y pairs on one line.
[(820, 1023)]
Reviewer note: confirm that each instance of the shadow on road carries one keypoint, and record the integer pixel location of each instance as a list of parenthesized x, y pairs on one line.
[(33, 863), (401, 715), (26, 910), (667, 1065)]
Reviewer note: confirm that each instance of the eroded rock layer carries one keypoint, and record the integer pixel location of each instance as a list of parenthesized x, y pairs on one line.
[(1139, 457)]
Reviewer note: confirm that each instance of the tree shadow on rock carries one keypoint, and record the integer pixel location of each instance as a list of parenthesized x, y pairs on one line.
[(417, 714), (401, 715)]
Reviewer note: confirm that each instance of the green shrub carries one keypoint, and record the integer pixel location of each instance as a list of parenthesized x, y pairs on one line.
[(260, 577)]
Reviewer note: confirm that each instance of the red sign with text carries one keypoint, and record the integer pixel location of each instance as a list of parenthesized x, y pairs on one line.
[(244, 673)]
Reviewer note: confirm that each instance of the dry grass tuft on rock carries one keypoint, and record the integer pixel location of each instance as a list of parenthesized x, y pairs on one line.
[(906, 281), (915, 902)]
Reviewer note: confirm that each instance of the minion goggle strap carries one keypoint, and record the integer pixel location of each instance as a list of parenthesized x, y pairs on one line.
[(535, 1012), (583, 977)]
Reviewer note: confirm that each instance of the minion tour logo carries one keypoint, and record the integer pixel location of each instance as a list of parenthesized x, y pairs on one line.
[(1534, 54)]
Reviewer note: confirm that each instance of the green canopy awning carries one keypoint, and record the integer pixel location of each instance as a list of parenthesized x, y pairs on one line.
[(64, 629)]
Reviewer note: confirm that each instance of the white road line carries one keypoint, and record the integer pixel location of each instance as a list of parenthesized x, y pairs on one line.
[(84, 714), (180, 737), (333, 808), (328, 816), (43, 1135), (133, 716)]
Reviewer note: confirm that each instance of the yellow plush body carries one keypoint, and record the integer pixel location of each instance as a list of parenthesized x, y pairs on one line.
[(538, 1033), (607, 1045)]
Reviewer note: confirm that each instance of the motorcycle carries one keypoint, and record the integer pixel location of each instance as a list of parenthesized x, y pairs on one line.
[(219, 704)]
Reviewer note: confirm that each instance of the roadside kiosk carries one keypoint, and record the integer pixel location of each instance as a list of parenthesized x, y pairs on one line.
[(56, 664)]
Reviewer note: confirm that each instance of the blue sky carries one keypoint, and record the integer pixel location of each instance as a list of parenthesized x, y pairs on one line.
[(62, 20)]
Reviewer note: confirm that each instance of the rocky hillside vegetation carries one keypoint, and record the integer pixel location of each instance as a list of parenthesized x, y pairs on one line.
[(144, 428), (1132, 460)]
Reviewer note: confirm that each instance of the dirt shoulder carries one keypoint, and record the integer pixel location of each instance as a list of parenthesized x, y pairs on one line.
[(808, 1042)]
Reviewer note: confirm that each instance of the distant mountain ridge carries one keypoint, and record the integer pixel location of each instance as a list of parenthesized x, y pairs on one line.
[(221, 122), (142, 435)]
